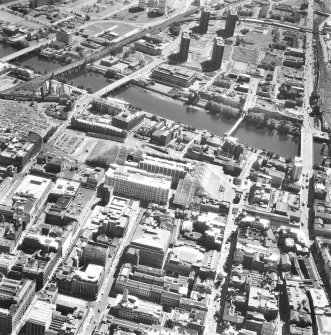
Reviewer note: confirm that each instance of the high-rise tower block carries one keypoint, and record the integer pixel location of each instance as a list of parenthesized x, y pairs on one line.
[(218, 51), (204, 20), (184, 46), (230, 24)]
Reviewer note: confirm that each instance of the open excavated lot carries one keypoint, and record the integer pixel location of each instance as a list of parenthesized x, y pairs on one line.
[(97, 27), (7, 82), (98, 9), (15, 19), (139, 17), (260, 39), (245, 55), (94, 28), (297, 3), (22, 117)]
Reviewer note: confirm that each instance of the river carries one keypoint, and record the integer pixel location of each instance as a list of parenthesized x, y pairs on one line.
[(41, 64), (87, 79), (167, 108), (177, 111), (6, 49)]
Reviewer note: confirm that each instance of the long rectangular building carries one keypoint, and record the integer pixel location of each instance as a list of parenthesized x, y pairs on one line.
[(174, 75), (138, 184)]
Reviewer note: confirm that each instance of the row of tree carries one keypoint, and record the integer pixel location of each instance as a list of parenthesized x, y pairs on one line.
[(227, 112), (262, 120)]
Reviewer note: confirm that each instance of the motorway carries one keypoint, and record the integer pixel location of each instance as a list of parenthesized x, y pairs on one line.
[(308, 29), (307, 129)]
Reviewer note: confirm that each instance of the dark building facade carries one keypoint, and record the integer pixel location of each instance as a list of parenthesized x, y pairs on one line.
[(218, 51), (204, 20), (231, 22), (184, 46)]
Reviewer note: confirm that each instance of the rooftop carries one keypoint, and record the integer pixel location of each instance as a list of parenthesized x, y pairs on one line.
[(33, 186), (41, 312), (154, 238), (138, 177), (91, 274)]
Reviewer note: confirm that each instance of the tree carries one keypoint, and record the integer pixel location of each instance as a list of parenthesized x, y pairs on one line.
[(256, 119), (285, 127), (272, 124), (111, 73)]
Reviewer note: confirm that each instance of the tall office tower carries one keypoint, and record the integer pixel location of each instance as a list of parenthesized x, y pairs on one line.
[(184, 46), (161, 7), (204, 19), (141, 4), (230, 24), (217, 55)]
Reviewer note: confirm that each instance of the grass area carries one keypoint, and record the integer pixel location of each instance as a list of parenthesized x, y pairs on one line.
[(97, 27), (98, 9), (227, 55), (16, 19), (297, 3), (245, 55), (7, 82), (139, 17), (260, 40), (123, 28)]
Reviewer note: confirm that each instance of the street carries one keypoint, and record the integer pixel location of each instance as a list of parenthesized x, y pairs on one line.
[(98, 307)]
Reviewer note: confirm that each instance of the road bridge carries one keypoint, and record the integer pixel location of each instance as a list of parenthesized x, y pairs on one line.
[(307, 130), (123, 81), (113, 48), (318, 12), (282, 25), (25, 51)]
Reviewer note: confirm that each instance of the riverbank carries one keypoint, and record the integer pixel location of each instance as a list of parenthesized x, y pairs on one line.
[(197, 117)]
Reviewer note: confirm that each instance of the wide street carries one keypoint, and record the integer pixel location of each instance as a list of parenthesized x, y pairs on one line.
[(307, 129), (98, 307)]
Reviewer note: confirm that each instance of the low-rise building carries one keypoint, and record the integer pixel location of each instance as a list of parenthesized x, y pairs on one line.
[(194, 319), (127, 120), (131, 308), (174, 75), (148, 48), (18, 151), (81, 283)]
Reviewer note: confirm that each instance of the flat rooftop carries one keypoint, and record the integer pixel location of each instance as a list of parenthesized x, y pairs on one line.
[(33, 186), (154, 238), (41, 312), (138, 177), (65, 186), (65, 300), (91, 274)]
